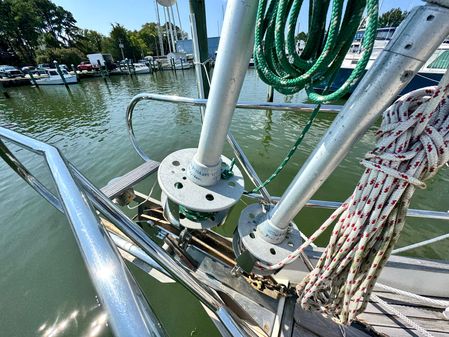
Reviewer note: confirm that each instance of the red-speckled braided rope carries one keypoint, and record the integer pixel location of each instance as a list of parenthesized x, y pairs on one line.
[(412, 144)]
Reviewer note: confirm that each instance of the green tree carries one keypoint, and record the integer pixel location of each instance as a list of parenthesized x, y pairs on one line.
[(120, 35), (138, 45), (66, 56), (28, 25), (392, 18), (58, 25), (90, 41), (39, 28), (149, 35), (165, 33), (20, 27), (301, 36)]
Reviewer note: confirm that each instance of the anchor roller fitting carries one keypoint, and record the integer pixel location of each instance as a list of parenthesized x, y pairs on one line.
[(190, 205)]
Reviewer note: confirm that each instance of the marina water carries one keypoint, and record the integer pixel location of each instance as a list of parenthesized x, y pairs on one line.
[(44, 286)]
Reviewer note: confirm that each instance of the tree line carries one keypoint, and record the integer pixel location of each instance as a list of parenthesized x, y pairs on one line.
[(39, 31)]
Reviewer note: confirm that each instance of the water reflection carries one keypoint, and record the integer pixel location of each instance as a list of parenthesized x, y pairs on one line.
[(97, 325), (88, 126), (185, 115), (69, 325), (59, 326), (266, 139), (56, 109)]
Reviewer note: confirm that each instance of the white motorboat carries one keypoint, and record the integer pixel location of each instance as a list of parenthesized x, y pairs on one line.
[(182, 66), (177, 66), (429, 74), (54, 78), (141, 68)]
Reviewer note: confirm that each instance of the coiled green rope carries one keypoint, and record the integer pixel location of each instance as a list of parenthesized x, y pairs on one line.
[(279, 65), (195, 216)]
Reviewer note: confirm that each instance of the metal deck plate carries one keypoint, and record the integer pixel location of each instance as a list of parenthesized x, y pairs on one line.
[(250, 217), (172, 176)]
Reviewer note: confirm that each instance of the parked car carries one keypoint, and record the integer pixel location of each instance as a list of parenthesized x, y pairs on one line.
[(44, 66), (36, 72), (10, 72), (85, 65)]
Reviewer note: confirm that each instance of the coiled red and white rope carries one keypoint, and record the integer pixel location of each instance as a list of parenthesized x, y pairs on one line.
[(412, 144)]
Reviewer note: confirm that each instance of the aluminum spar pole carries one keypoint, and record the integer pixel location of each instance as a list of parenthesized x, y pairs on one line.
[(415, 40)]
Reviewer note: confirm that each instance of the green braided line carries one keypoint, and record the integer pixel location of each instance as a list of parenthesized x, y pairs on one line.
[(283, 83), (290, 152), (195, 215), (291, 72), (226, 171)]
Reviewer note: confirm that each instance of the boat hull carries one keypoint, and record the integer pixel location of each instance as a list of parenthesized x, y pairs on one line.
[(57, 81), (422, 79), (178, 66), (142, 71)]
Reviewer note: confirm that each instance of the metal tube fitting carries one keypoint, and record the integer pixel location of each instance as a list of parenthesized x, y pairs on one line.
[(234, 53), (413, 43)]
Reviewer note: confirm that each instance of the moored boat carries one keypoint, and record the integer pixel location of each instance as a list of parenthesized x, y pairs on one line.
[(141, 68), (54, 78), (430, 73)]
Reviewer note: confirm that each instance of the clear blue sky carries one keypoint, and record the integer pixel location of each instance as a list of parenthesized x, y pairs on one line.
[(99, 14)]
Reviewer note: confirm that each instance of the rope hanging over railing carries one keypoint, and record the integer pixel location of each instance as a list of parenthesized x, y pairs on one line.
[(412, 145), (280, 65)]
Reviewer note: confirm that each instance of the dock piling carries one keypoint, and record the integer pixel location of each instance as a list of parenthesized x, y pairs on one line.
[(3, 90), (74, 70), (127, 67), (270, 93), (173, 65), (58, 69), (33, 80), (100, 67)]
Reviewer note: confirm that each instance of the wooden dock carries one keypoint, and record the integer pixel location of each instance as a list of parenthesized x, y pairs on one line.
[(15, 82)]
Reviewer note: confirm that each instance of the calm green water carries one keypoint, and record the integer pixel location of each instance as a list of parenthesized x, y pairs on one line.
[(44, 286)]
